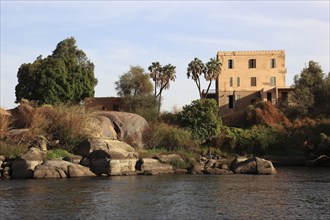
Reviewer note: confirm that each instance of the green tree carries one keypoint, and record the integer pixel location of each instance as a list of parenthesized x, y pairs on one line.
[(136, 89), (161, 77), (202, 118), (65, 76), (195, 70), (133, 83), (211, 71), (310, 92)]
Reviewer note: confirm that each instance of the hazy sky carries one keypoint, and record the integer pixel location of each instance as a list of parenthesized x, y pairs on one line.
[(118, 34)]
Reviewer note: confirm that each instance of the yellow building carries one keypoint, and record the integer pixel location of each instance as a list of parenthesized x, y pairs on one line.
[(250, 76)]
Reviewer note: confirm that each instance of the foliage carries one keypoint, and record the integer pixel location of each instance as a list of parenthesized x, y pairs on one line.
[(255, 141), (201, 117), (65, 76), (171, 138), (312, 88), (57, 154), (211, 71), (135, 82), (10, 150), (169, 118), (136, 88), (161, 77), (263, 113), (181, 164), (144, 105)]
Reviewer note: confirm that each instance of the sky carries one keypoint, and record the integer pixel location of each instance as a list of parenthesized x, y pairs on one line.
[(118, 34)]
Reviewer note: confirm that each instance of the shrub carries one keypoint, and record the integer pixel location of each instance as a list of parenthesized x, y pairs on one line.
[(161, 135), (264, 113), (69, 125), (144, 105), (256, 140), (169, 118), (12, 150), (66, 123), (202, 118), (57, 154), (4, 124), (181, 164)]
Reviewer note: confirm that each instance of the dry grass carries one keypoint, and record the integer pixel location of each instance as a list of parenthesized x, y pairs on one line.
[(4, 124), (66, 123)]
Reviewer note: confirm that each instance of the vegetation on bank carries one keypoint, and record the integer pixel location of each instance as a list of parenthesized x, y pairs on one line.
[(56, 84)]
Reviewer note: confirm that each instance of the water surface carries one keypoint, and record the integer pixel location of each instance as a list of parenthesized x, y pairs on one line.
[(293, 193)]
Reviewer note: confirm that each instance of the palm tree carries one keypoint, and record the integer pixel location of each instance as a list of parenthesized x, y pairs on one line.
[(155, 72), (211, 72), (195, 70), (162, 77)]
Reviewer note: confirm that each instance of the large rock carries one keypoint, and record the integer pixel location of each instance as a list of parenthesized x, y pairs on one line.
[(243, 165), (128, 126), (60, 169), (102, 127), (265, 166), (196, 168), (23, 166), (104, 148), (122, 167), (153, 166), (108, 157)]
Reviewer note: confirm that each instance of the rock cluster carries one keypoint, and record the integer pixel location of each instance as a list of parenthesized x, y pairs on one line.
[(209, 166), (255, 165)]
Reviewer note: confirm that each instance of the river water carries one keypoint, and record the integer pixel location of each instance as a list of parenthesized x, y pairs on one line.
[(293, 193)]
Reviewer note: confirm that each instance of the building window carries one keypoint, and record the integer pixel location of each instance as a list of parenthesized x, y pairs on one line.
[(253, 81), (230, 64), (238, 82), (272, 81), (231, 81), (272, 63), (252, 63)]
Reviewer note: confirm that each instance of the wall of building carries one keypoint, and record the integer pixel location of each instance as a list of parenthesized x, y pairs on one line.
[(263, 72)]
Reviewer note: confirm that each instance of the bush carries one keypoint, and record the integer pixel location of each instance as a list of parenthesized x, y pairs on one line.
[(66, 123), (69, 125), (256, 140), (202, 118), (171, 138), (12, 150), (264, 113), (144, 105), (57, 154)]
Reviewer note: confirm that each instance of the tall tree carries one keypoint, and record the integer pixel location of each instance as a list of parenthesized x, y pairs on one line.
[(202, 118), (162, 76), (311, 88), (136, 89), (134, 82), (65, 76), (195, 70), (210, 70)]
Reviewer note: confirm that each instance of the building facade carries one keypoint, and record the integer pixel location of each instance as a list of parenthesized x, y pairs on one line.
[(250, 76)]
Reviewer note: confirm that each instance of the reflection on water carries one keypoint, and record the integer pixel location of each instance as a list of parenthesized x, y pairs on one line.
[(293, 193)]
